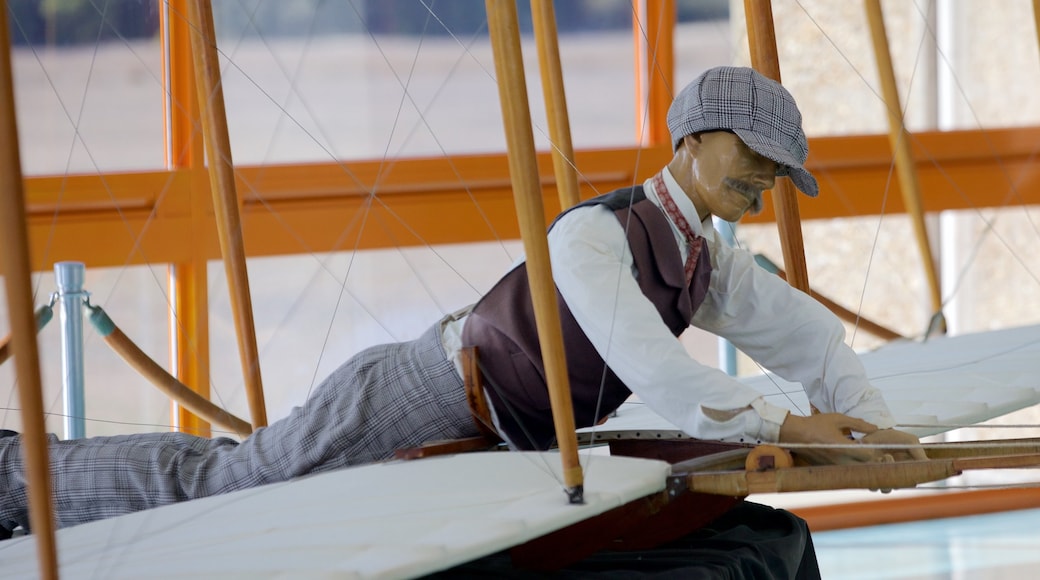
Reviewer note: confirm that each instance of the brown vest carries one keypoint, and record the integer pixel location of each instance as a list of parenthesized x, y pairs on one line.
[(502, 327)]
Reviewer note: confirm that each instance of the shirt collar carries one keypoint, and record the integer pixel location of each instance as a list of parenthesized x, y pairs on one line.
[(683, 202)]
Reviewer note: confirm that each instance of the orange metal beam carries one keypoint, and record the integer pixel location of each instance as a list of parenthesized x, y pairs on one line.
[(300, 208), (956, 169), (917, 508)]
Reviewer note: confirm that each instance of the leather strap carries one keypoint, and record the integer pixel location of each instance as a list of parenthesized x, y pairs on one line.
[(478, 405)]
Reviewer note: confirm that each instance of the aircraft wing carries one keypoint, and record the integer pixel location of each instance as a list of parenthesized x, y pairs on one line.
[(389, 520), (929, 386)]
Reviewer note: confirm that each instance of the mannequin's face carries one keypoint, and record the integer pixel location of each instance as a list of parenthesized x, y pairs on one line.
[(726, 178)]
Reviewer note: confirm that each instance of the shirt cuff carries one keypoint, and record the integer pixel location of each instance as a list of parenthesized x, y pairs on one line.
[(772, 417)]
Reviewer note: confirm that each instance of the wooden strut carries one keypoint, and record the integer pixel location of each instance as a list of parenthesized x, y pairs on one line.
[(898, 137), (225, 198), (523, 171), (14, 257), (544, 19), (1036, 18)]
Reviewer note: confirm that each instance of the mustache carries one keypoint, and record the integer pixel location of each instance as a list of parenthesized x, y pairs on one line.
[(747, 190)]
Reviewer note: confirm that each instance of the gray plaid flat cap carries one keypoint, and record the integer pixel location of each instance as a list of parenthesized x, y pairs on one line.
[(759, 110)]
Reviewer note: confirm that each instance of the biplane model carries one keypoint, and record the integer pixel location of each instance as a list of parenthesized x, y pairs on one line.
[(410, 518)]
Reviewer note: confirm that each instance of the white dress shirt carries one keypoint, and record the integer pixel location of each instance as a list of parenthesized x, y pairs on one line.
[(781, 328)]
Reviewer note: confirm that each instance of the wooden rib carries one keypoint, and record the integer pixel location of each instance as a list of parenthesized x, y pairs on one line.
[(897, 134), (762, 40), (523, 170), (544, 20), (14, 257), (225, 199)]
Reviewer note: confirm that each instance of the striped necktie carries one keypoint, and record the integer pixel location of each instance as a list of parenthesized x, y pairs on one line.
[(693, 241)]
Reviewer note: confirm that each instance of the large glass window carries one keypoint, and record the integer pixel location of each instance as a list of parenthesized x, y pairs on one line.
[(88, 85), (309, 81), (313, 312)]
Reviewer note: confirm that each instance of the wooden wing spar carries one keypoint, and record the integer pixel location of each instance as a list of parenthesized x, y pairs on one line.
[(769, 469)]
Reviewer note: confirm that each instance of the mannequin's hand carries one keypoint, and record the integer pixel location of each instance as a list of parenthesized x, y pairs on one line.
[(828, 428), (899, 441)]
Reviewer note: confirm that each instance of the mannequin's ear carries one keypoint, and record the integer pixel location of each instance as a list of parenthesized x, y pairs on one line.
[(692, 143)]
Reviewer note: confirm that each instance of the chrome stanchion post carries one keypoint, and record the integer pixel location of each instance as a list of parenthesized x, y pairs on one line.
[(69, 278)]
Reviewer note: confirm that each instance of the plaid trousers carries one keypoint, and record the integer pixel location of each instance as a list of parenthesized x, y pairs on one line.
[(384, 398)]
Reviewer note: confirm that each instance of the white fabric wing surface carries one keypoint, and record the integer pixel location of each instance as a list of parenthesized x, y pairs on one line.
[(392, 520), (945, 381)]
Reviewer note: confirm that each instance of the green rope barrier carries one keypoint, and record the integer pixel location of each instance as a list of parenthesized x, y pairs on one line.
[(100, 320), (44, 314), (159, 376)]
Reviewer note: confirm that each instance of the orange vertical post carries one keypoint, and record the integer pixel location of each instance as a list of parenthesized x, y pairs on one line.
[(764, 58), (188, 281), (653, 31)]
